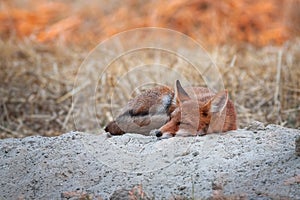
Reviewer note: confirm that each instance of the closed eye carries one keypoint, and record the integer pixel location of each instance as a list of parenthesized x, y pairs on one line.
[(138, 112)]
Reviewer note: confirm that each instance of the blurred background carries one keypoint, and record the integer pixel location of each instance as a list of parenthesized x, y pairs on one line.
[(255, 44)]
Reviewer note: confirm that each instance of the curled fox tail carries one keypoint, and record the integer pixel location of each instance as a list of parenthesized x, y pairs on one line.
[(147, 111)]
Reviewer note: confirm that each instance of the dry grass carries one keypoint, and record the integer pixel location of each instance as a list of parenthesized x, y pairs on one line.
[(264, 82), (38, 65), (36, 84), (33, 77)]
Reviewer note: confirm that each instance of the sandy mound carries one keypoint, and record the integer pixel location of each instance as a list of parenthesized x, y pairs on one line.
[(254, 163)]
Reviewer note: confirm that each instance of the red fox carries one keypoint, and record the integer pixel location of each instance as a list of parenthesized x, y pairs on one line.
[(185, 112)]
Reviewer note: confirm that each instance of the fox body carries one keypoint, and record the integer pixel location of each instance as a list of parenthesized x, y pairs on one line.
[(183, 112), (148, 111)]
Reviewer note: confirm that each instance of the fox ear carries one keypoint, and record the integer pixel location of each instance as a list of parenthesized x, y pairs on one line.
[(217, 103), (180, 93)]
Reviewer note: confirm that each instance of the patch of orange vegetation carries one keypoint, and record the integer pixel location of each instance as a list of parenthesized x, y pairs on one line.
[(60, 27), (258, 22)]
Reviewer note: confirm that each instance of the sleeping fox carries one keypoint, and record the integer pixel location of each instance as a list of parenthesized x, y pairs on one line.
[(186, 112)]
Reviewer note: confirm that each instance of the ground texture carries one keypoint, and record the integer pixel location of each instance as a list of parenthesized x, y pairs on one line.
[(254, 163)]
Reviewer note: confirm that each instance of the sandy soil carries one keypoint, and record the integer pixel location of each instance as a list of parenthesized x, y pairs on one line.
[(254, 163)]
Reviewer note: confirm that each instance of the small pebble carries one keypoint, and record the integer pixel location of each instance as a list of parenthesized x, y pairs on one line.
[(196, 153), (182, 187)]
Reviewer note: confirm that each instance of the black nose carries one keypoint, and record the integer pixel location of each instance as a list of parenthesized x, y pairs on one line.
[(158, 133)]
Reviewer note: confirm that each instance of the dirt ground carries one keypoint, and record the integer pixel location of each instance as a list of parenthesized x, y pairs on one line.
[(253, 163)]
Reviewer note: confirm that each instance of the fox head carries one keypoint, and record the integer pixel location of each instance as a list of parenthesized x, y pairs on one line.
[(192, 116)]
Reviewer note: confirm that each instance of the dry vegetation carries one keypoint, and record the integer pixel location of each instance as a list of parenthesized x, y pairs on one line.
[(44, 43), (258, 22)]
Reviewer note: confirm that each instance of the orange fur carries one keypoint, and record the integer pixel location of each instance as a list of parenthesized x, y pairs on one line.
[(199, 111), (147, 111)]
